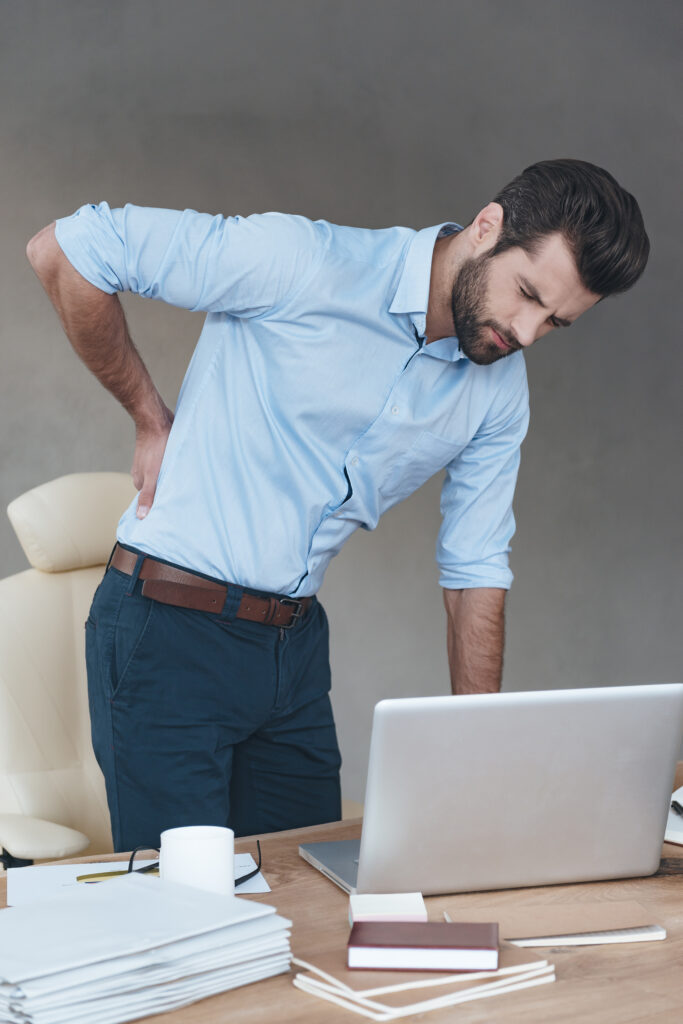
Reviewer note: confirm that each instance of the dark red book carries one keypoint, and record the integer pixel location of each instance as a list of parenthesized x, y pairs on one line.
[(429, 946)]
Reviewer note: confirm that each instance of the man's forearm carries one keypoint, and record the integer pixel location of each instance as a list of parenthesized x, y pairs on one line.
[(476, 633), (96, 326)]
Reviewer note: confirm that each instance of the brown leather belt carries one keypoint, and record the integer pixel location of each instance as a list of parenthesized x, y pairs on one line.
[(169, 585)]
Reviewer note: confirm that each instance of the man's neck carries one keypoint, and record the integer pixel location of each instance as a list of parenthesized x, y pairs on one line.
[(449, 253)]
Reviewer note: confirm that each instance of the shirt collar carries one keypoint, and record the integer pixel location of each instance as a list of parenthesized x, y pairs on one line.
[(412, 292)]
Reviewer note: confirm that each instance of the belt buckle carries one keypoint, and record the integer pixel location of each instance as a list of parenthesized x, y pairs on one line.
[(296, 615)]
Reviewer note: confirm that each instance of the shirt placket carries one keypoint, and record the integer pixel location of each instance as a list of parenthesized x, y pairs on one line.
[(362, 467)]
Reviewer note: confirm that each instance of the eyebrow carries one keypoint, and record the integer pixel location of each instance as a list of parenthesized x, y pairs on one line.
[(533, 294)]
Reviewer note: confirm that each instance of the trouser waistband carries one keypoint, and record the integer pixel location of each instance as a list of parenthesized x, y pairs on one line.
[(185, 589)]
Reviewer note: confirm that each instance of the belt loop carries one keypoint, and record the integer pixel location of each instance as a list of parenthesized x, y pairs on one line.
[(136, 572), (233, 598)]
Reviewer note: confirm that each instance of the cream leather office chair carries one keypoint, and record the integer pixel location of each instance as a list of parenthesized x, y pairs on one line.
[(52, 797)]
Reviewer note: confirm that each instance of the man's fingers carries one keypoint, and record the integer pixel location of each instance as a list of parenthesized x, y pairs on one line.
[(149, 454)]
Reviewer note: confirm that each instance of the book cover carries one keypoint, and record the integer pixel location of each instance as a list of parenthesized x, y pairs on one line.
[(433, 945)]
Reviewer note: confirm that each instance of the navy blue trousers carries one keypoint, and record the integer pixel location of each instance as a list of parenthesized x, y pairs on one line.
[(203, 719)]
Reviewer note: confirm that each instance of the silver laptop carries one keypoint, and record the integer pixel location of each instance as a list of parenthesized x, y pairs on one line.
[(495, 791)]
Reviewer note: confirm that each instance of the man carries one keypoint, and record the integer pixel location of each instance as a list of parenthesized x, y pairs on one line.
[(337, 370)]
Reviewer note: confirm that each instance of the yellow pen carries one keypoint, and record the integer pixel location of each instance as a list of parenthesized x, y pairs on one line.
[(102, 876)]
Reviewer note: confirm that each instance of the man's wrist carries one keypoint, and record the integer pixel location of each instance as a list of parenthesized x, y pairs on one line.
[(151, 416)]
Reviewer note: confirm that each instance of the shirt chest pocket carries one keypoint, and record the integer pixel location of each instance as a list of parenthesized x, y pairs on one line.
[(425, 457)]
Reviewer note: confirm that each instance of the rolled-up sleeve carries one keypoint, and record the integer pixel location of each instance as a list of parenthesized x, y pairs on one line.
[(476, 500), (240, 265)]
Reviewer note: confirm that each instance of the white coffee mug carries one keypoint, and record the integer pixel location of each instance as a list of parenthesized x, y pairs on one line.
[(202, 856)]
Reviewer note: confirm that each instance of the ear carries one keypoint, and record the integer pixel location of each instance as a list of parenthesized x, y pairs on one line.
[(486, 228)]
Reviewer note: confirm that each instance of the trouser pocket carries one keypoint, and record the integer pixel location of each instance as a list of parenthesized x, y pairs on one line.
[(132, 625), (115, 629)]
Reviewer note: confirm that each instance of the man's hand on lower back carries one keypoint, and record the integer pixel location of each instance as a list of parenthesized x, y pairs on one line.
[(150, 445)]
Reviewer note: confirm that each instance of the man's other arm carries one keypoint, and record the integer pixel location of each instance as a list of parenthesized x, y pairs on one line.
[(478, 524), (95, 325), (476, 632)]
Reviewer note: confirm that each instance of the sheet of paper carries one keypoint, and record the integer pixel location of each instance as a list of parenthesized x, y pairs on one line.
[(39, 882), (674, 824)]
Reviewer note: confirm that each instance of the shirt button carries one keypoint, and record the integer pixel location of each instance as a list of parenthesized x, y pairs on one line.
[(354, 460), (394, 410)]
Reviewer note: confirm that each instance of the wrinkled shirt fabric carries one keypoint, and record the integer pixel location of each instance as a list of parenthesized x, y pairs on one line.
[(311, 404)]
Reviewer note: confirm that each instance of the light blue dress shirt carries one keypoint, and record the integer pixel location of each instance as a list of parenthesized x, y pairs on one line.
[(311, 404)]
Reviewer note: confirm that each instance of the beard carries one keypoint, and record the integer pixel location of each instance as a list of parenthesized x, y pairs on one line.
[(470, 318)]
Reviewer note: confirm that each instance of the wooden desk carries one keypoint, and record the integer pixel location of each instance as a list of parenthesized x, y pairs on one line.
[(639, 983)]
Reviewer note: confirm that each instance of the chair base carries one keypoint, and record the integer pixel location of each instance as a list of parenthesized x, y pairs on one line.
[(8, 861)]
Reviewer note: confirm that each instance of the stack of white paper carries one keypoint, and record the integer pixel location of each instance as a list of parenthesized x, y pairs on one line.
[(130, 947)]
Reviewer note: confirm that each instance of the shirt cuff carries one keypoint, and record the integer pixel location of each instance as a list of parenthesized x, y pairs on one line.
[(82, 239), (467, 577)]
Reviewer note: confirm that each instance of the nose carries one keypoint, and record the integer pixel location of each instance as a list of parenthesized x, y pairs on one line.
[(527, 326)]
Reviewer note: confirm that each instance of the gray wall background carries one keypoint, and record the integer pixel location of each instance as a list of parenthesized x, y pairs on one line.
[(375, 113)]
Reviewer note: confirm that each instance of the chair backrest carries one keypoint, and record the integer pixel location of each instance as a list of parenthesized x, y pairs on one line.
[(47, 768)]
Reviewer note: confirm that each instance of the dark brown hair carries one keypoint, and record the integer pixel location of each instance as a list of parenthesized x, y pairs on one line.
[(601, 222)]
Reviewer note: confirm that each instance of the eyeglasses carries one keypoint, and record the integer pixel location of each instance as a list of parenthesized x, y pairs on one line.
[(154, 866), (251, 874)]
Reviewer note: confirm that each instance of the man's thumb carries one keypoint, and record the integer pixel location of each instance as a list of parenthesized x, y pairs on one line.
[(145, 499)]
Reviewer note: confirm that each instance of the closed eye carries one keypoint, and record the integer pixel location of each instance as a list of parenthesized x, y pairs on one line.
[(552, 320)]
